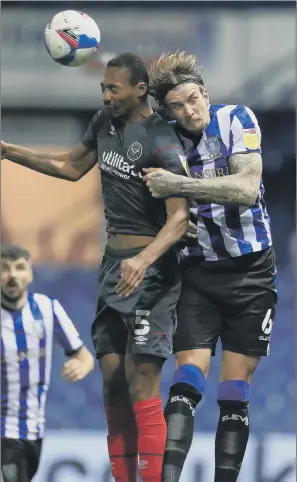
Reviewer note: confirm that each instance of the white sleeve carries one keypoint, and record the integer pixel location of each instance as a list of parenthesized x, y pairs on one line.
[(64, 330), (245, 131)]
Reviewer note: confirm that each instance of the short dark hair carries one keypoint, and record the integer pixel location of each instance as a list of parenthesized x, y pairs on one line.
[(134, 65), (14, 252), (171, 70)]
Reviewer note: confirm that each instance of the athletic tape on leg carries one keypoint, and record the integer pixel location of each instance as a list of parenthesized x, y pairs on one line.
[(191, 375), (234, 390)]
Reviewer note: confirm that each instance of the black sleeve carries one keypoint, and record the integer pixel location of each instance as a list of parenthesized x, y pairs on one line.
[(167, 151), (90, 138)]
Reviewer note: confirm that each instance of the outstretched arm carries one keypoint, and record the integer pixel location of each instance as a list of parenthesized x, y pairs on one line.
[(70, 165), (241, 187)]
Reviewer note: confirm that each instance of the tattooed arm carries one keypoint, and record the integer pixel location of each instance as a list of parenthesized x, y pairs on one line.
[(241, 187)]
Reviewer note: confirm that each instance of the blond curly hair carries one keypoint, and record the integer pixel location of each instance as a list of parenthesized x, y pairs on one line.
[(172, 69)]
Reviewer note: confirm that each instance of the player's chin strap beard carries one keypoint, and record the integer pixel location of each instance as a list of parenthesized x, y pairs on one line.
[(9, 305)]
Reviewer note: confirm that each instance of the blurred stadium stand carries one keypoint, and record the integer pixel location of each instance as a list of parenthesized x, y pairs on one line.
[(248, 57)]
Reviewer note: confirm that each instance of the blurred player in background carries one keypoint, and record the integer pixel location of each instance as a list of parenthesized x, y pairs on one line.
[(228, 278), (30, 323), (139, 276)]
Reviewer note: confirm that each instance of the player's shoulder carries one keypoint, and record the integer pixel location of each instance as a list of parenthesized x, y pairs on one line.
[(99, 118), (227, 112), (42, 299), (158, 127), (155, 122)]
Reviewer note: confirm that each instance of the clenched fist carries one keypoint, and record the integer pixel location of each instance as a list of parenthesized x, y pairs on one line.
[(75, 370)]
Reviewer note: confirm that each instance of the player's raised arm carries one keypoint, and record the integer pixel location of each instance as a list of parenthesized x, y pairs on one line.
[(71, 165)]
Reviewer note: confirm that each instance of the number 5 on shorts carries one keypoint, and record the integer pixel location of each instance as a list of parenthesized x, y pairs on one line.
[(141, 326)]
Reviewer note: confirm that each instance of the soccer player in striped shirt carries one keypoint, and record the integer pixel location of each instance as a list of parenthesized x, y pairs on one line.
[(30, 323), (229, 276)]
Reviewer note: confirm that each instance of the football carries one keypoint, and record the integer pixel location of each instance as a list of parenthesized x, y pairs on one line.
[(72, 38)]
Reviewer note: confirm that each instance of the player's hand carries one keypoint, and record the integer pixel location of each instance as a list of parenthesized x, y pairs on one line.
[(75, 370), (191, 232), (132, 274), (162, 183), (4, 148)]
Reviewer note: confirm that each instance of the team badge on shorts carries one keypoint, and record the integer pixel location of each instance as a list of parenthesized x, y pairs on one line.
[(134, 152), (212, 144), (251, 138)]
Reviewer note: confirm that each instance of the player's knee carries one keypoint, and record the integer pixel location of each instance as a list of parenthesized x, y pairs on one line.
[(114, 392), (143, 376), (189, 381), (114, 384), (233, 393), (236, 366), (198, 358), (114, 387)]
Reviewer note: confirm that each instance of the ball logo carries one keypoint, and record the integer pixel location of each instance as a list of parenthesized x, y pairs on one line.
[(134, 152)]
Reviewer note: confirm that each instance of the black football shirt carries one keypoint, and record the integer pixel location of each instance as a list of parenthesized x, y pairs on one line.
[(122, 153)]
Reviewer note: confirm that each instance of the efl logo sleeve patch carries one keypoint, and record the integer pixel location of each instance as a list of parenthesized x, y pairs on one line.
[(251, 139)]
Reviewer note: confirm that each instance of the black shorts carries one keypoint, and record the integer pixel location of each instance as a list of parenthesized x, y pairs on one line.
[(144, 322), (232, 299), (19, 459)]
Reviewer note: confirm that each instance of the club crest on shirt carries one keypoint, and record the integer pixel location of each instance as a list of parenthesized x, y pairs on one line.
[(134, 152), (212, 144)]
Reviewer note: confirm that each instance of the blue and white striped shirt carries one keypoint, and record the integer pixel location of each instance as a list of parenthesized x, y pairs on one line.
[(26, 358), (225, 231)]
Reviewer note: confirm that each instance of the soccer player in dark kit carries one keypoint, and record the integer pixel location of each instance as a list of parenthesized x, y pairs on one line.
[(228, 278), (139, 276)]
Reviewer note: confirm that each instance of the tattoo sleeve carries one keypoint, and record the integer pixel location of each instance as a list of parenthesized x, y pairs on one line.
[(241, 187)]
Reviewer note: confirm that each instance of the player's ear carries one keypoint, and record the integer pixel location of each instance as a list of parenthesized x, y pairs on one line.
[(30, 273), (142, 89), (206, 96), (168, 112)]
